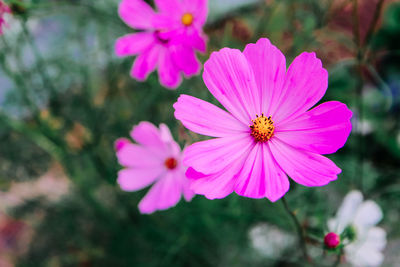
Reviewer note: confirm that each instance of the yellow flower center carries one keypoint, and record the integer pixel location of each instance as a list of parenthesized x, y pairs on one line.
[(262, 128), (187, 19)]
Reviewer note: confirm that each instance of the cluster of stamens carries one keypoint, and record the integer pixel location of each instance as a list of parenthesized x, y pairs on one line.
[(262, 128)]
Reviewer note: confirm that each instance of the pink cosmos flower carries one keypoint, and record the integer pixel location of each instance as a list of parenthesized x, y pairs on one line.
[(269, 131), (3, 10), (167, 40), (155, 159)]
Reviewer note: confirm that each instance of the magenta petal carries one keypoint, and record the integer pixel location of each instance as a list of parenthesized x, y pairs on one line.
[(217, 185), (213, 155), (145, 63), (250, 180), (305, 83), (303, 167), (185, 58), (322, 130), (269, 66), (168, 72), (196, 115), (196, 39), (134, 43), (261, 176), (136, 13), (171, 8), (229, 77), (163, 194), (135, 179), (277, 182), (132, 155)]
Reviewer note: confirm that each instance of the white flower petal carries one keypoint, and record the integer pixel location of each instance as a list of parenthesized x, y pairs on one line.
[(367, 215), (347, 210)]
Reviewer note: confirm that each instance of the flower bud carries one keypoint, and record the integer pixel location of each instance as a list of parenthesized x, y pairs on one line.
[(331, 240)]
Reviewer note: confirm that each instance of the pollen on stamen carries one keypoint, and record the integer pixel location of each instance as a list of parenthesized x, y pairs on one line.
[(187, 19), (262, 128)]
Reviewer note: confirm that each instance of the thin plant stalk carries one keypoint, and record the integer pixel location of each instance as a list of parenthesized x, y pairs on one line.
[(299, 228)]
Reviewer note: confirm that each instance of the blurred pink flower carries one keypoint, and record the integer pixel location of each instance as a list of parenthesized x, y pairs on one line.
[(269, 131), (4, 9), (155, 159), (167, 40)]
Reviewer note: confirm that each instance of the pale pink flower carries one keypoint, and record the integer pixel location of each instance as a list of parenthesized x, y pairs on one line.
[(269, 131), (155, 159), (4, 9), (167, 40)]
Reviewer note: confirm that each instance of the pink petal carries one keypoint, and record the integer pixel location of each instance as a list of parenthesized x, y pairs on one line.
[(163, 195), (132, 155), (303, 167), (146, 134), (322, 130), (261, 176), (171, 8), (185, 59), (213, 155), (196, 39), (230, 79), (269, 66), (145, 63), (120, 143), (136, 179), (216, 185), (305, 83), (136, 14), (250, 181), (168, 72), (134, 43), (188, 193), (196, 115)]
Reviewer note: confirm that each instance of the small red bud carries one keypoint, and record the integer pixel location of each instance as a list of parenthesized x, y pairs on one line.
[(332, 240)]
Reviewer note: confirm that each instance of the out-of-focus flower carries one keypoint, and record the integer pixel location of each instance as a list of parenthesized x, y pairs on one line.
[(155, 159), (51, 186), (269, 241), (355, 221), (168, 40), (270, 131), (15, 238), (4, 9)]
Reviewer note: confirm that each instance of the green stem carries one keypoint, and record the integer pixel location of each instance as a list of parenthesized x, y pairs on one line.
[(299, 228)]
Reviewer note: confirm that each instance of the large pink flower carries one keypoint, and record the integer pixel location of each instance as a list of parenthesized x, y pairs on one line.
[(269, 131), (4, 9), (155, 159), (167, 40)]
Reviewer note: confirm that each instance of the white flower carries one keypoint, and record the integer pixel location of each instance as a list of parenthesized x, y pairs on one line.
[(369, 241), (269, 241)]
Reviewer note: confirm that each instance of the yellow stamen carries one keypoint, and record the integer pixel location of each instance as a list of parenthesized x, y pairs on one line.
[(187, 19), (262, 128)]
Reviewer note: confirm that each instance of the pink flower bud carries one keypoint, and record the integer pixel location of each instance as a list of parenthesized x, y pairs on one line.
[(332, 240)]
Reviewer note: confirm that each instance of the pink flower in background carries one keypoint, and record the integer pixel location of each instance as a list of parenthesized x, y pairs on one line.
[(155, 159), (269, 131), (167, 40), (4, 9)]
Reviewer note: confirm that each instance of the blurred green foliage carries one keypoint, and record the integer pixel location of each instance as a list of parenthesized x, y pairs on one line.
[(65, 98)]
